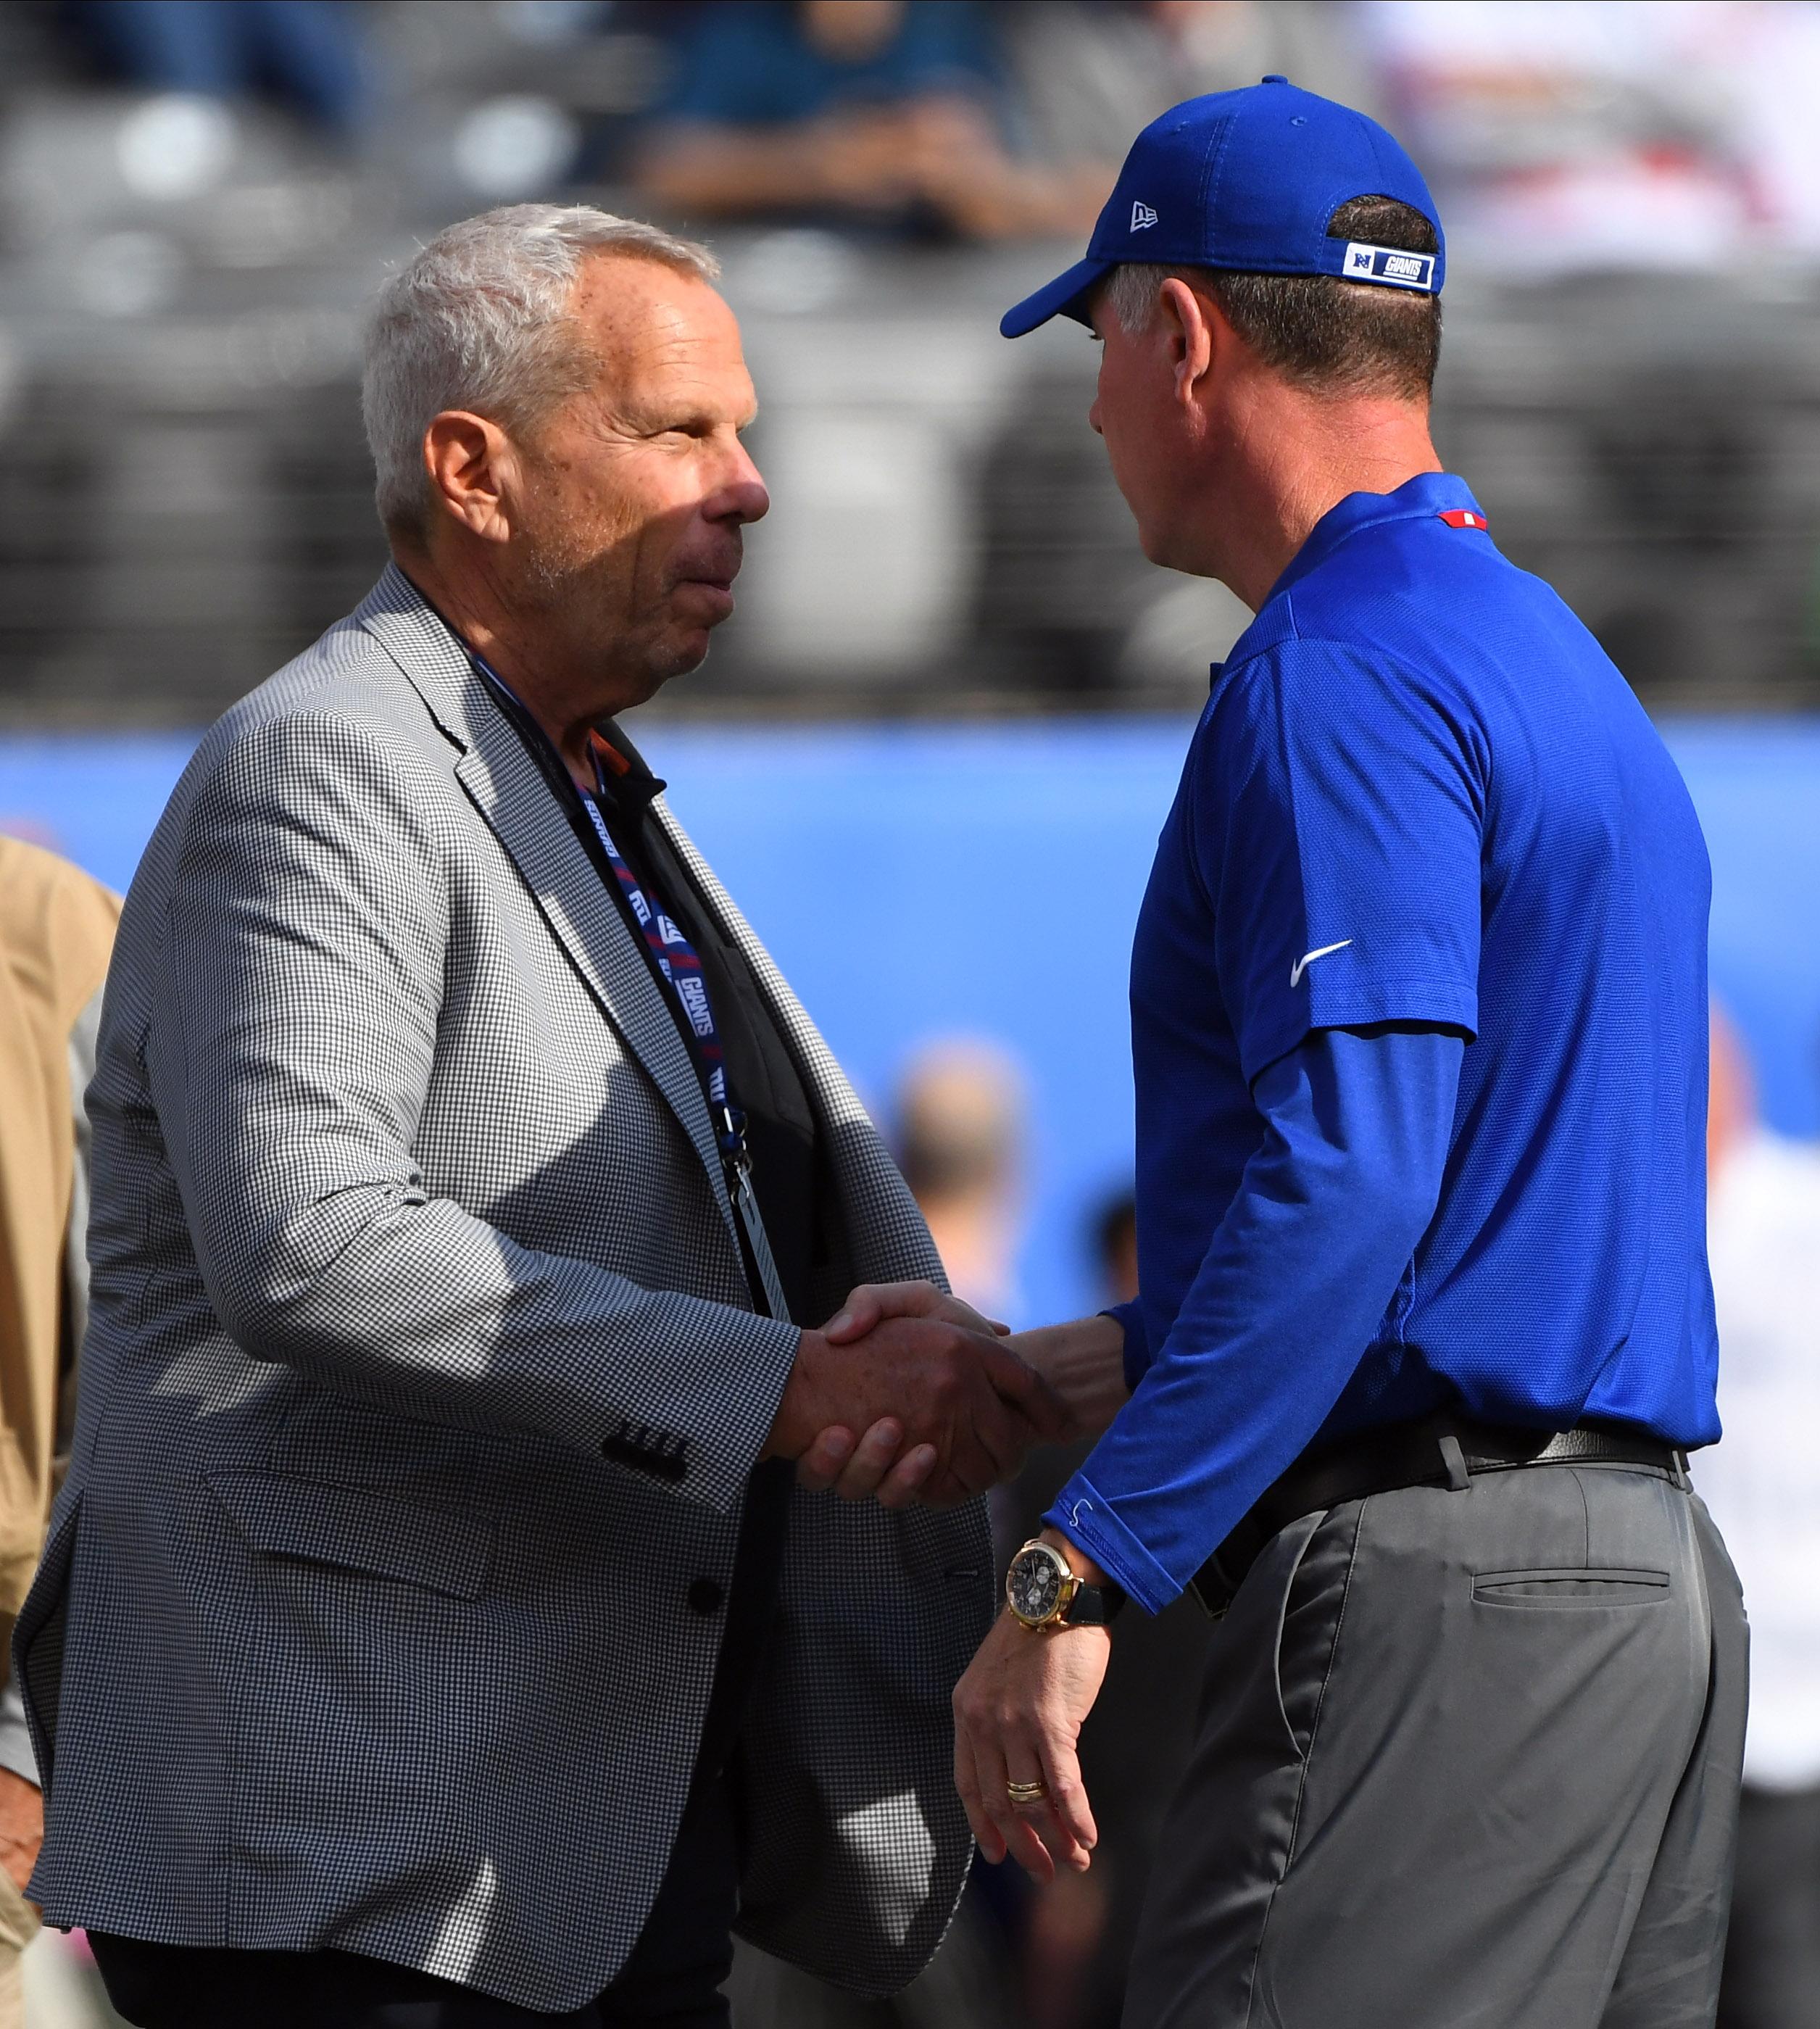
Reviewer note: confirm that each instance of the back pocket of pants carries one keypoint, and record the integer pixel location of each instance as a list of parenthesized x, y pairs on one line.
[(1597, 1585)]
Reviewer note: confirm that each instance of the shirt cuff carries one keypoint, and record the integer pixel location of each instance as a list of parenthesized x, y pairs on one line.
[(1129, 1317), (1084, 1519)]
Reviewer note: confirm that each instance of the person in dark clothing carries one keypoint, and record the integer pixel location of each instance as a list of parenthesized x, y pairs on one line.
[(307, 54), (873, 113)]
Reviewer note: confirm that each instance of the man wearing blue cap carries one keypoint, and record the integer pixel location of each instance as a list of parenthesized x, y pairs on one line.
[(1419, 1016)]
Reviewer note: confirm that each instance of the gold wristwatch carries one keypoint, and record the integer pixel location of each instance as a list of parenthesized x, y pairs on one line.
[(1042, 1590)]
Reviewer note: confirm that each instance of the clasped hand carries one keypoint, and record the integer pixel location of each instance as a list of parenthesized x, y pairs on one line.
[(908, 1394)]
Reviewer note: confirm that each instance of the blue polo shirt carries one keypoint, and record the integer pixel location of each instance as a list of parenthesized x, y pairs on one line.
[(1420, 795)]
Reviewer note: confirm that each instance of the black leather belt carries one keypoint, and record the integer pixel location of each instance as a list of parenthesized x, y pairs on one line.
[(1439, 1451)]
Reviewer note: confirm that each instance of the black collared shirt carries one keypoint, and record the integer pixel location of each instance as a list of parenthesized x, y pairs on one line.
[(787, 1165), (762, 1075)]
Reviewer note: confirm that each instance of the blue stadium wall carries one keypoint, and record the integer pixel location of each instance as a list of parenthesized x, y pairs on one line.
[(930, 880)]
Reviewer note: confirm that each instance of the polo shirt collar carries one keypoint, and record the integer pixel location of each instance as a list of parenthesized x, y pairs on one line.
[(624, 766), (1428, 493)]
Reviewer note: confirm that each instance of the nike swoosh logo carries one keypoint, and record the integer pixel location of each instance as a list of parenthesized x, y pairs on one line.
[(1303, 963)]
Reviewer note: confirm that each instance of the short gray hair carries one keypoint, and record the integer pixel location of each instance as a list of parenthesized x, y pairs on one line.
[(478, 319), (1131, 291)]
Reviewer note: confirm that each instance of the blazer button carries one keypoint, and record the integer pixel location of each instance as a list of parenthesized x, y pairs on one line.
[(706, 1597)]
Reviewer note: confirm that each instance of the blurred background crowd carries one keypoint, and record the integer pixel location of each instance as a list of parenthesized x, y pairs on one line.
[(196, 197), (949, 653)]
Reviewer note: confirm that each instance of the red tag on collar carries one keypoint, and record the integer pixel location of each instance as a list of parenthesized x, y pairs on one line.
[(1463, 517), (608, 755)]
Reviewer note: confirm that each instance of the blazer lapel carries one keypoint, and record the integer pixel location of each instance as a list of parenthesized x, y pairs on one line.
[(507, 788)]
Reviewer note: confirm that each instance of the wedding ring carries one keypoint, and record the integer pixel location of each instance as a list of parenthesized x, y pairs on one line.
[(1026, 1792)]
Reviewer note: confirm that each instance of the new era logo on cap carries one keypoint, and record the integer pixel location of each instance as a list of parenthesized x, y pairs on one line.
[(1141, 216), (1388, 264)]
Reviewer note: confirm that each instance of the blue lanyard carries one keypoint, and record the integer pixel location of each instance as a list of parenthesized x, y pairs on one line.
[(679, 965), (676, 959)]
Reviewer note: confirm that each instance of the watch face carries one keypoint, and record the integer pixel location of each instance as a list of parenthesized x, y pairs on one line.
[(1033, 1584)]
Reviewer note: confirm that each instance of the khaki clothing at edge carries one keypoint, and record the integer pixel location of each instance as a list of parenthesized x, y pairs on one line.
[(57, 928)]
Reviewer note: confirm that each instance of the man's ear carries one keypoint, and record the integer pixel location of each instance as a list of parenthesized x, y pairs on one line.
[(1189, 335), (471, 464)]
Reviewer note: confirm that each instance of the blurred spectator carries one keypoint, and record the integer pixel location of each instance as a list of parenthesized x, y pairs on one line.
[(1116, 1233), (960, 1142), (1633, 134), (306, 54), (1778, 136), (1763, 1487), (875, 112), (56, 928)]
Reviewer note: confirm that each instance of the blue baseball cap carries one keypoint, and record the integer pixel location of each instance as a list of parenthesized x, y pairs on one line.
[(1248, 179)]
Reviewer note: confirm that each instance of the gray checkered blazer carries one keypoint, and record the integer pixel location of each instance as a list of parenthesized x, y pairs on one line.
[(406, 1204)]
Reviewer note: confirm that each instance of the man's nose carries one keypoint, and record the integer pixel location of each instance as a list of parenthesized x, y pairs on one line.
[(1093, 418), (742, 496)]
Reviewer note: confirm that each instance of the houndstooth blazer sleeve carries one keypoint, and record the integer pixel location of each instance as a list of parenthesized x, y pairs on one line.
[(289, 1053)]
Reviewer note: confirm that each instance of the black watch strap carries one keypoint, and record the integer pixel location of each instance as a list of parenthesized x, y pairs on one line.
[(1094, 1606)]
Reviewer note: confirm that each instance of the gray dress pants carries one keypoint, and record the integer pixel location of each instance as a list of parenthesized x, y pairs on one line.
[(1464, 1760)]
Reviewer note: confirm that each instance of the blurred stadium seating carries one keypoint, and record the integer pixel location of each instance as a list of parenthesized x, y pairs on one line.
[(182, 273)]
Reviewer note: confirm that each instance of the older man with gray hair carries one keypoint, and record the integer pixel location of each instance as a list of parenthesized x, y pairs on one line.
[(430, 1629)]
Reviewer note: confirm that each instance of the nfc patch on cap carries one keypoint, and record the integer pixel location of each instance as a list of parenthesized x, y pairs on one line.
[(1394, 265)]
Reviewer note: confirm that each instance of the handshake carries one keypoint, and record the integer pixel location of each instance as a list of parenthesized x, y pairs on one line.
[(909, 1395)]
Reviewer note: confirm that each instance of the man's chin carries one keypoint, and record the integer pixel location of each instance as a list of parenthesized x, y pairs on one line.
[(679, 656)]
